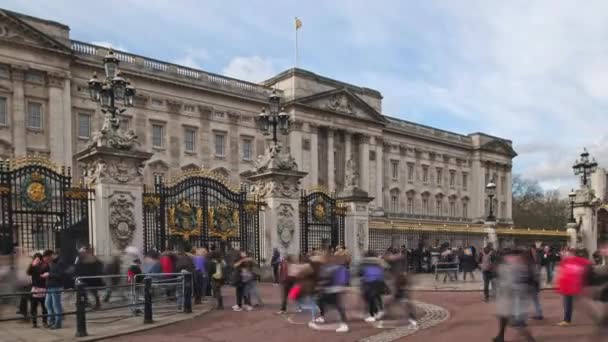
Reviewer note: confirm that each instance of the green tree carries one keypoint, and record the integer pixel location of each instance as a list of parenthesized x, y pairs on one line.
[(535, 208)]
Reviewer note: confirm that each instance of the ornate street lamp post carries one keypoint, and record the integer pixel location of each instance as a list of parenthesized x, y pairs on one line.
[(584, 167), (112, 90), (276, 118), (491, 191), (572, 196)]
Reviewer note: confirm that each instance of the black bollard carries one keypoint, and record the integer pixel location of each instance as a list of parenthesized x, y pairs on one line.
[(148, 301), (187, 292), (81, 316)]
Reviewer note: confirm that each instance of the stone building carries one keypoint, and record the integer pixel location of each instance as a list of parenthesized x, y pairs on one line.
[(191, 118)]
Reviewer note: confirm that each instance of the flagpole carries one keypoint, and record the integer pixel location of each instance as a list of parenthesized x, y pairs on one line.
[(296, 50)]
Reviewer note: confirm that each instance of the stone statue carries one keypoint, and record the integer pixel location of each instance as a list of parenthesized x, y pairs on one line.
[(111, 135), (351, 175), (275, 159)]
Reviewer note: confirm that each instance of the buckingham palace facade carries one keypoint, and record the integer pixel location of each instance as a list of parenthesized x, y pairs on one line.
[(191, 118)]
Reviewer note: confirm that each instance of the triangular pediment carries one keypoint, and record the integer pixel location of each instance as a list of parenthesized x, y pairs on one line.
[(158, 165), (342, 101), (15, 30), (500, 147)]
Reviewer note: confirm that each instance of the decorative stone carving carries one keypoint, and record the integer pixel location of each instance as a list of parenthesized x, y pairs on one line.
[(285, 224), (122, 219), (351, 174), (120, 171), (281, 186), (340, 103), (273, 159), (56, 79), (174, 105), (111, 136), (361, 235)]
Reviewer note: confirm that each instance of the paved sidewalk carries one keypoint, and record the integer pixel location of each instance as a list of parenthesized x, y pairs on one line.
[(100, 325), (427, 282)]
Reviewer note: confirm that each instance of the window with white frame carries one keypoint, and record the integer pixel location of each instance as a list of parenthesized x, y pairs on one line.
[(410, 172), (394, 201), (3, 111), (439, 207), (439, 175), (410, 205), (158, 136), (84, 125), (220, 144), (465, 209), (247, 149), (452, 209), (425, 174), (189, 139), (395, 169), (465, 181), (425, 205), (452, 178), (34, 115)]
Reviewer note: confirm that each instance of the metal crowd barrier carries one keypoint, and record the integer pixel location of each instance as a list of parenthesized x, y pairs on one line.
[(446, 267), (144, 284)]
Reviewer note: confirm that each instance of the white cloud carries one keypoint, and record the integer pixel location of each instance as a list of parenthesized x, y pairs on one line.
[(193, 58), (110, 45), (253, 69)]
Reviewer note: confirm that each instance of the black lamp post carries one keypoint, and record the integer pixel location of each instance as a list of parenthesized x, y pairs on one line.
[(584, 167), (572, 196), (276, 119), (491, 191), (112, 90)]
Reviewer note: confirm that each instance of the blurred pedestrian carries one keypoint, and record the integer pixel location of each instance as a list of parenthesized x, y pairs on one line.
[(37, 268), (599, 293), (468, 264), (54, 287), (275, 263), (332, 286), (547, 261), (574, 270), (90, 268), (512, 279), (216, 272), (201, 278), (487, 262), (371, 271)]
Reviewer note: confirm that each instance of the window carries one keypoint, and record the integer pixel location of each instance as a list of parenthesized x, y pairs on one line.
[(452, 209), (452, 178), (3, 111), (157, 102), (247, 149), (190, 139), (410, 205), (158, 135), (439, 176), (410, 172), (34, 115), (372, 155), (394, 201), (465, 209), (438, 207), (425, 174), (465, 181), (395, 169), (189, 108), (34, 77), (425, 205), (84, 125), (220, 144)]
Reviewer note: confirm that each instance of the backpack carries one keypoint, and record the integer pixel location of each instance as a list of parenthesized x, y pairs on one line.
[(218, 274)]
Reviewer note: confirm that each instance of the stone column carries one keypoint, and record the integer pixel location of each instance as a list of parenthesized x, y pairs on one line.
[(492, 237), (379, 171), (280, 191), (313, 176), (364, 162), (356, 222), (508, 194), (585, 207), (331, 168), (572, 234), (19, 115), (60, 124), (348, 152), (117, 178), (477, 190)]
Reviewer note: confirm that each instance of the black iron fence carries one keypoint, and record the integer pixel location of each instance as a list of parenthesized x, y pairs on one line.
[(322, 220), (144, 295)]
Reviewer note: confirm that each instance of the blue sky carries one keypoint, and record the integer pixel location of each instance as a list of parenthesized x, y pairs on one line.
[(533, 72)]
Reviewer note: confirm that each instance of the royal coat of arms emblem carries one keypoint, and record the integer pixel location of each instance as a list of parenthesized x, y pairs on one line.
[(35, 192), (319, 211), (184, 220), (223, 222)]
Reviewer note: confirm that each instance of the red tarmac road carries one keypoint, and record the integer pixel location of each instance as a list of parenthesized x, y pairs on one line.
[(471, 320)]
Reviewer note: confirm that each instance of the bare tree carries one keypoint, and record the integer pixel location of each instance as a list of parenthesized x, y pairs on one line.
[(535, 208)]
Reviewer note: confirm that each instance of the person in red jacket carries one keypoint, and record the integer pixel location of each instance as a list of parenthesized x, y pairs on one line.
[(573, 273)]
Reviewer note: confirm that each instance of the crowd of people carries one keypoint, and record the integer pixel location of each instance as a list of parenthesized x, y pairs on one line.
[(318, 281)]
